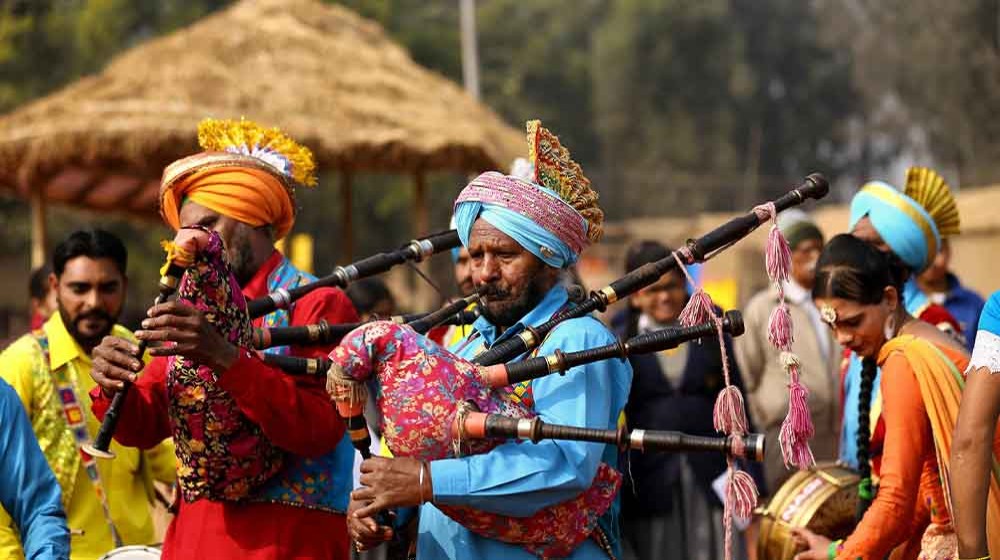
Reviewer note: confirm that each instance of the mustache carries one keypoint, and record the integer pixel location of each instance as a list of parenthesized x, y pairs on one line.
[(492, 291), (95, 314)]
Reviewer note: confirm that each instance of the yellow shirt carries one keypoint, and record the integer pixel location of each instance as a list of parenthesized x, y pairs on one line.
[(127, 479)]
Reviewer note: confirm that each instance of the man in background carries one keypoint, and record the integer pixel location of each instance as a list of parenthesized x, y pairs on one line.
[(107, 503)]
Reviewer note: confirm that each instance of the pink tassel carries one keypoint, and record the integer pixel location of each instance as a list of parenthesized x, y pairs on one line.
[(741, 499), (779, 328), (741, 493), (797, 429), (778, 256), (698, 309), (729, 415)]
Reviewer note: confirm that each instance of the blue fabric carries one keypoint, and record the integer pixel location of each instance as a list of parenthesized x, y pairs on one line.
[(28, 489), (520, 478), (533, 237), (965, 306), (897, 229), (914, 298), (337, 466), (989, 321), (852, 390)]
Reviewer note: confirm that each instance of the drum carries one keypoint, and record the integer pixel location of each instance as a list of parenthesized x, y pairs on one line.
[(823, 499), (133, 552)]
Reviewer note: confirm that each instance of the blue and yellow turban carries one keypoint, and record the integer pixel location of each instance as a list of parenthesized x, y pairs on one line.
[(901, 222)]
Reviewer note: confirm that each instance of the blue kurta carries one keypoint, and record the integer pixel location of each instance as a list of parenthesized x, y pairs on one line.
[(518, 479), (28, 489)]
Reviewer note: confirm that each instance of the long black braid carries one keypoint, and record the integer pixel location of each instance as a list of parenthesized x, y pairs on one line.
[(866, 493), (853, 270)]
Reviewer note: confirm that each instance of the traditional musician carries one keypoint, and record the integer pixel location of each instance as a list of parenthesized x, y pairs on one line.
[(858, 296), (907, 225), (28, 490), (106, 504), (241, 187), (760, 362), (519, 234), (973, 472)]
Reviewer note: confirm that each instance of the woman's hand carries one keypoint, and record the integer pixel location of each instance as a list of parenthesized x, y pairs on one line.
[(816, 546)]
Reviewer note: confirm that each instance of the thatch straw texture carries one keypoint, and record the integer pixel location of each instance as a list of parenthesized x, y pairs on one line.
[(328, 77)]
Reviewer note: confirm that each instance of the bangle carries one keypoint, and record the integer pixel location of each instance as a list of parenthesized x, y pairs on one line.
[(834, 548), (987, 557), (420, 482)]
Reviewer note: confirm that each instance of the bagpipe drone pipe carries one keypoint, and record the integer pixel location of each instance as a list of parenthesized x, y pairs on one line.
[(324, 333), (479, 425), (414, 251)]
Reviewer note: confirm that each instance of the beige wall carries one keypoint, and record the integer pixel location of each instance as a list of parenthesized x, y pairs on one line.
[(973, 251)]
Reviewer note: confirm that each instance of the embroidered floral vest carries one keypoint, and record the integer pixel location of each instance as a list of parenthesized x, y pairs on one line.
[(223, 455)]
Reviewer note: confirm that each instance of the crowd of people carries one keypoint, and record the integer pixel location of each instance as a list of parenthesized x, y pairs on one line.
[(899, 360)]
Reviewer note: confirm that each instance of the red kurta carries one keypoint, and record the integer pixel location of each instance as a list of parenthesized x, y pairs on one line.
[(294, 413)]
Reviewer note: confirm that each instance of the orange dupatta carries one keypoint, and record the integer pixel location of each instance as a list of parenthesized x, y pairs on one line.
[(941, 385)]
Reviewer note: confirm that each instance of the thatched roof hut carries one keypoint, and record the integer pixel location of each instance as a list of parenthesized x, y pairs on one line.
[(328, 77)]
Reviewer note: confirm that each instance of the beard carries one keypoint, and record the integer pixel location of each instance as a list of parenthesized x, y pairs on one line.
[(241, 258), (501, 311), (87, 340)]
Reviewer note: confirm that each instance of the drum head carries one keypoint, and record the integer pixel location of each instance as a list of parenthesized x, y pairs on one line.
[(133, 552)]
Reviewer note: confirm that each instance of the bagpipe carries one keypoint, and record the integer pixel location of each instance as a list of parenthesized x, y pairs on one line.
[(433, 405), (180, 258)]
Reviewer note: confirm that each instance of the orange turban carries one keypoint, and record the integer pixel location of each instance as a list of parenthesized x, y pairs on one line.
[(247, 172), (242, 191)]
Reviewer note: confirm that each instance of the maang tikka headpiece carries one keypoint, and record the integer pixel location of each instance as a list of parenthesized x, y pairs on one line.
[(828, 314)]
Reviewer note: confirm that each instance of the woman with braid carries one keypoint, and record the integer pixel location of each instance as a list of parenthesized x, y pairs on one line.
[(905, 446)]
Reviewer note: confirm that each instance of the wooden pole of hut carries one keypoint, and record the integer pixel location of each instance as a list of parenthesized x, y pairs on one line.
[(346, 218), (39, 229), (421, 226)]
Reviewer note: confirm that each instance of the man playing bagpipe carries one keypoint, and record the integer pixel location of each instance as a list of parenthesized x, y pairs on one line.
[(519, 235), (264, 467)]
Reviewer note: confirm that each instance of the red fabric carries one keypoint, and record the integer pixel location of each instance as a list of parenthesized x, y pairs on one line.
[(37, 321), (294, 412), (438, 333), (939, 317)]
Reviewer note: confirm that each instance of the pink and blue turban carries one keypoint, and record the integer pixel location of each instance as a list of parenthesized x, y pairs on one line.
[(534, 216), (901, 222)]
